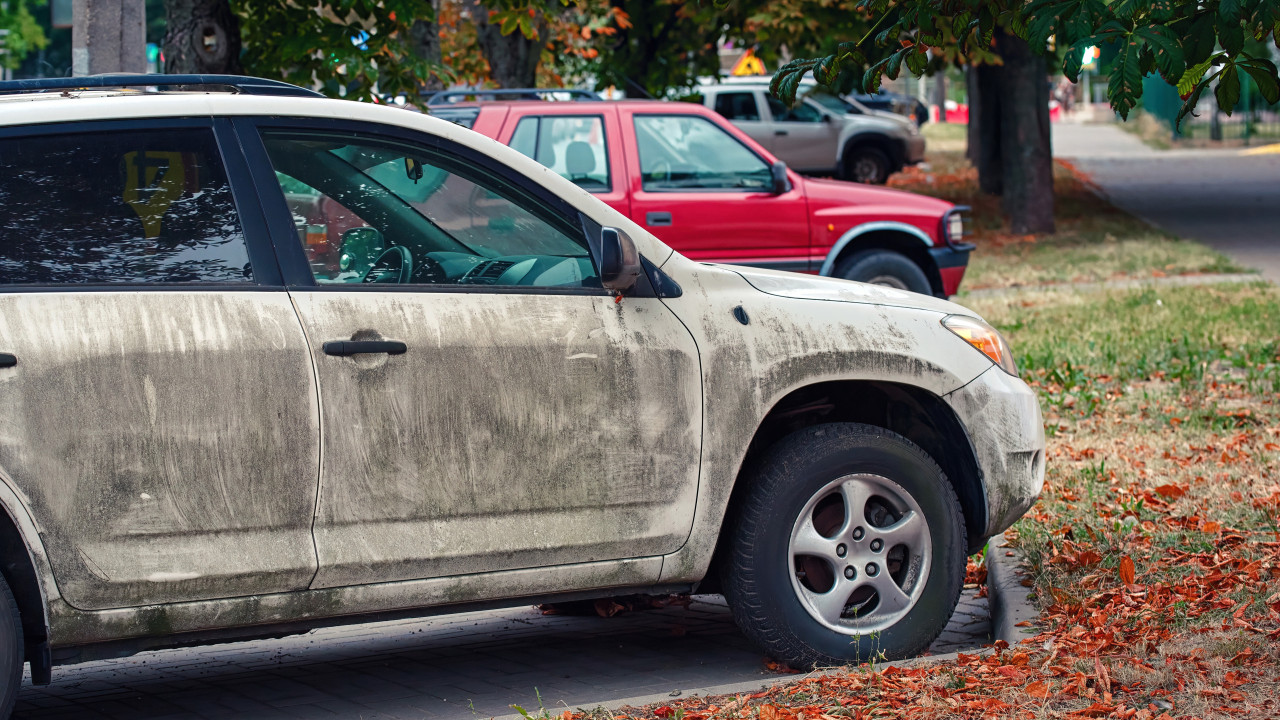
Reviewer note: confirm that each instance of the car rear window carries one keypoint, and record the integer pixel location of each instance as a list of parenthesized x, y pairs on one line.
[(137, 206)]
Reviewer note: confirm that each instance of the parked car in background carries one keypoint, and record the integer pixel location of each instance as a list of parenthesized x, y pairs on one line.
[(898, 103), (821, 134), (705, 187), (498, 391)]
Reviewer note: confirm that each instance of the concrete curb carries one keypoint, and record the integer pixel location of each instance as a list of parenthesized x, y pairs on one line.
[(749, 687), (1006, 594)]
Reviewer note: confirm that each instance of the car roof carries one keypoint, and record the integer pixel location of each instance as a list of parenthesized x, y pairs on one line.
[(580, 106)]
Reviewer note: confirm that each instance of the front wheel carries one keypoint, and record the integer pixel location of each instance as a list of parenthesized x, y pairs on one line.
[(867, 164), (848, 547), (11, 650), (884, 267)]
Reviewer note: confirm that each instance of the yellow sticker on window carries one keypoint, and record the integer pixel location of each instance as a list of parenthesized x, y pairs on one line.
[(153, 180)]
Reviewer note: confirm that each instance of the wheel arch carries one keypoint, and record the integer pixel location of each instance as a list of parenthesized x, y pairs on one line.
[(887, 235), (913, 412), (18, 563), (894, 148)]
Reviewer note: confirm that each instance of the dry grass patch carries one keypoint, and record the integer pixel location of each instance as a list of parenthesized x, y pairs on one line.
[(1095, 240)]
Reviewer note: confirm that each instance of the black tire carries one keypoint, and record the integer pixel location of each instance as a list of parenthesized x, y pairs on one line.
[(866, 164), (12, 650), (884, 267), (756, 576)]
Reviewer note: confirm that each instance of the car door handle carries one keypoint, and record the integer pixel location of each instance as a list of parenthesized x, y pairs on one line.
[(8, 360), (357, 347), (779, 132), (657, 219)]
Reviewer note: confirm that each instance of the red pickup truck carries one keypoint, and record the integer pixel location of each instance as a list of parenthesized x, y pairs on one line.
[(705, 188)]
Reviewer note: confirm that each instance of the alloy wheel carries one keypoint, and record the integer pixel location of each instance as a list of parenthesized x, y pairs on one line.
[(860, 552)]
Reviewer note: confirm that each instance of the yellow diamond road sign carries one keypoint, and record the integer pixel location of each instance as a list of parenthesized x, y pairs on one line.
[(748, 64)]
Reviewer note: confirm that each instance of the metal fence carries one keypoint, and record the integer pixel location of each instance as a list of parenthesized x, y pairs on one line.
[(1252, 121)]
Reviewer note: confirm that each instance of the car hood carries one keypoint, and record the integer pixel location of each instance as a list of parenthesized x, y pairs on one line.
[(813, 287), (826, 193)]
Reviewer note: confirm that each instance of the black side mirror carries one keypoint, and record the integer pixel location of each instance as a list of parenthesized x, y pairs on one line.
[(778, 173), (619, 260)]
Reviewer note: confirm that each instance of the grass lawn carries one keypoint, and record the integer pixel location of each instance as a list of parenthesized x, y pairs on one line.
[(1095, 241)]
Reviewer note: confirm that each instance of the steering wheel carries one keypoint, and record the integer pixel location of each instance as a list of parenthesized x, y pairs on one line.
[(660, 171), (394, 265)]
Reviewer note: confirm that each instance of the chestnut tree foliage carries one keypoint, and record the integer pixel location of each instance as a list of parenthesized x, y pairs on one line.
[(1191, 44), (20, 34)]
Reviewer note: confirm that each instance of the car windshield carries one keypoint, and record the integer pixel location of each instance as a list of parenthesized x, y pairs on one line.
[(831, 102)]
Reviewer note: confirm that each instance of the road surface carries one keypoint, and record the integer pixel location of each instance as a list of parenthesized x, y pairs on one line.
[(1227, 199)]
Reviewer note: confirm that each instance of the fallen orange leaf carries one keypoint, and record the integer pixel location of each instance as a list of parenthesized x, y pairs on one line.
[(1128, 573)]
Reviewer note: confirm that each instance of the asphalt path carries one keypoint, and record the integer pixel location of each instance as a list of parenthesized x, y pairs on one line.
[(1227, 199)]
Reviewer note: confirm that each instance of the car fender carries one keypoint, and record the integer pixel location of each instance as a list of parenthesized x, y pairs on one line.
[(790, 341), (14, 503), (852, 135), (853, 233)]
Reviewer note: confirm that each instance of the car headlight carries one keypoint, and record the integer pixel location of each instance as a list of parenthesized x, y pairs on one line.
[(955, 226), (984, 338)]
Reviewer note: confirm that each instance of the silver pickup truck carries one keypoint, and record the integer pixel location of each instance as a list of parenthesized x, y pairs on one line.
[(822, 134)]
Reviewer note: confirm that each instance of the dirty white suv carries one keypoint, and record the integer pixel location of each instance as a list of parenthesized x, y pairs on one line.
[(270, 362)]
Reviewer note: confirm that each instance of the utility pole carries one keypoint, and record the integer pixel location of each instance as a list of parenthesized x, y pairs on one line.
[(108, 36)]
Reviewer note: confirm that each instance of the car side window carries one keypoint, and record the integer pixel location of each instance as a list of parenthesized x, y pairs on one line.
[(572, 145), (688, 152), (373, 210), (738, 105), (138, 206), (802, 112)]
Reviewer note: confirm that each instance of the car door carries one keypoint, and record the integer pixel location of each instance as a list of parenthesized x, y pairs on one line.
[(742, 108), (157, 404), (584, 148), (509, 413), (804, 137), (708, 194)]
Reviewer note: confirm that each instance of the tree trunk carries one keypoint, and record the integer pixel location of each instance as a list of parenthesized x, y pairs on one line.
[(203, 36), (940, 94), (425, 36), (985, 150), (513, 59), (1027, 160)]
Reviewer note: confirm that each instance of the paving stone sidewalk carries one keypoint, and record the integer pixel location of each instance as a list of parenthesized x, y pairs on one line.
[(474, 665)]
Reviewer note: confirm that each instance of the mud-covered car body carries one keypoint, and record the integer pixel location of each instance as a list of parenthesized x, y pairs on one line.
[(195, 461)]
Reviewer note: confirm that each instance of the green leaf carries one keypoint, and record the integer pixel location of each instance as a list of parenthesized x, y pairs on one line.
[(1126, 8), (1192, 77), (787, 80), (871, 78), (1230, 10), (1125, 84), (1189, 104), (1168, 51), (509, 24), (826, 70), (1073, 59), (1228, 89), (1231, 35), (1199, 39), (917, 61), (894, 65), (1264, 75)]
